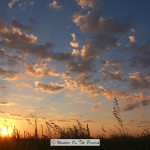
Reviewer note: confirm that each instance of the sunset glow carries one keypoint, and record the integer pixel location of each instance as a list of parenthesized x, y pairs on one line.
[(66, 60), (5, 132)]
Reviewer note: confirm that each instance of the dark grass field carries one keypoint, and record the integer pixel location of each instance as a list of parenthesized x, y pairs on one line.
[(113, 143), (118, 140)]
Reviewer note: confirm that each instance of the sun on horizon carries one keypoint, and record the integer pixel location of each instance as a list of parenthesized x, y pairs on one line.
[(5, 132)]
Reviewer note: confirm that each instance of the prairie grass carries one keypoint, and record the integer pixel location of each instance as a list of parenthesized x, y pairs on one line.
[(119, 139)]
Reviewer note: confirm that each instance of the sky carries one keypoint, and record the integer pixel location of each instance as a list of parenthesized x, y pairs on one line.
[(62, 61)]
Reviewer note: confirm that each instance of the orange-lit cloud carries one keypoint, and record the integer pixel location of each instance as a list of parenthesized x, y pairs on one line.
[(94, 4), (54, 4), (81, 83), (75, 52), (7, 104), (132, 39), (133, 100), (110, 70), (9, 74), (74, 43), (50, 88), (38, 70), (12, 2)]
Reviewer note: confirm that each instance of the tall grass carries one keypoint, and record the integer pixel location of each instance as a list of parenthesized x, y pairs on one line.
[(121, 141), (117, 115)]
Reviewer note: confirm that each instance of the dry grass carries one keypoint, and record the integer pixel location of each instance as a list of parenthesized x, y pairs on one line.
[(119, 140)]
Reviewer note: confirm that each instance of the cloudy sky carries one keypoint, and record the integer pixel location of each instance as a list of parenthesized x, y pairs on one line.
[(67, 60)]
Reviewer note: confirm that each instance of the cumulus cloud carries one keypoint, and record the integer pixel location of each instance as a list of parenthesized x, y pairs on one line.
[(94, 23), (42, 70), (75, 52), (37, 70), (90, 87), (19, 25), (98, 45), (84, 63), (14, 38), (81, 66), (94, 4), (128, 96), (12, 2), (12, 60), (139, 81), (54, 4), (106, 32), (133, 100), (74, 43), (9, 74), (110, 70), (50, 88), (132, 39), (136, 104)]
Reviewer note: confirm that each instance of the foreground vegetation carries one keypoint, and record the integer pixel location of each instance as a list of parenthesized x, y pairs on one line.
[(113, 143), (118, 140)]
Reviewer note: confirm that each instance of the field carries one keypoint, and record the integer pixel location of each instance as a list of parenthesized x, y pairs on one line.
[(119, 139), (113, 143)]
